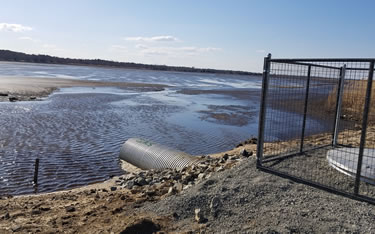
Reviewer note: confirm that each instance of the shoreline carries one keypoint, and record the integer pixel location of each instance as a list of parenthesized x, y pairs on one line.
[(231, 193), (15, 88)]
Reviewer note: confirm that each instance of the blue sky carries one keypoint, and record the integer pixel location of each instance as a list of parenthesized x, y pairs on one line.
[(214, 34)]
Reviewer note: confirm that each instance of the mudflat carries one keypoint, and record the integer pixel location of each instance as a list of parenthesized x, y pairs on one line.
[(33, 88)]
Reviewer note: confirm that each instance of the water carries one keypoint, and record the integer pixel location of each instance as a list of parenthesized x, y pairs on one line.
[(77, 132)]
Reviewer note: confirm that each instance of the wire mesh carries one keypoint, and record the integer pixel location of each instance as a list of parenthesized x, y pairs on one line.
[(314, 119)]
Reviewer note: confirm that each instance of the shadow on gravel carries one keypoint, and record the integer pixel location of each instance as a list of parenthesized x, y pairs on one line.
[(141, 226)]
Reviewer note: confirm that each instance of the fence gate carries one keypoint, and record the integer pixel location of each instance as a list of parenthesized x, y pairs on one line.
[(317, 124)]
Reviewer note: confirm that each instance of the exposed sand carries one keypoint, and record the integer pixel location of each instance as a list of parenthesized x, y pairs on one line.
[(32, 88)]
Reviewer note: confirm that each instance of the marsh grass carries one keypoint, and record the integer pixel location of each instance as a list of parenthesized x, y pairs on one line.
[(353, 100)]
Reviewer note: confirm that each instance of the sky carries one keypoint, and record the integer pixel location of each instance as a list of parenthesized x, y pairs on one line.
[(219, 34)]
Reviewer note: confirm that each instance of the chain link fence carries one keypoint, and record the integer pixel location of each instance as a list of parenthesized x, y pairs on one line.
[(317, 124)]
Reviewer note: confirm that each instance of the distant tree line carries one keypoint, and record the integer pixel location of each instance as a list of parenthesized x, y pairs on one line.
[(12, 56)]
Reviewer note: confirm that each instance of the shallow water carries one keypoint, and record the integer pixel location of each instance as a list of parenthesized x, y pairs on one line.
[(77, 132)]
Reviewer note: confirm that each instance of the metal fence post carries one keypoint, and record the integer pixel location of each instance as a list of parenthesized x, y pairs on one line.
[(364, 127), (305, 108), (340, 91), (262, 112)]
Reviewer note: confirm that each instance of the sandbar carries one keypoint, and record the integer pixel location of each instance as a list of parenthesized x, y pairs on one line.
[(33, 88)]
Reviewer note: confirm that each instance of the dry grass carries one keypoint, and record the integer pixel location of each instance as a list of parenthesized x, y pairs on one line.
[(353, 99)]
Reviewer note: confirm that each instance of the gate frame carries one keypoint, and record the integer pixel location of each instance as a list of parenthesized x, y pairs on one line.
[(263, 109)]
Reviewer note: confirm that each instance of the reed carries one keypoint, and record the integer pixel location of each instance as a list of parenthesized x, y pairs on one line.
[(353, 99)]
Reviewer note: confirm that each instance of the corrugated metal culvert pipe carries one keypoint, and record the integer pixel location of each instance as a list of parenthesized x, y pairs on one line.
[(148, 155)]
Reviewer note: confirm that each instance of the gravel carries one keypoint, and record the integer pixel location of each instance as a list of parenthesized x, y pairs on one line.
[(246, 199)]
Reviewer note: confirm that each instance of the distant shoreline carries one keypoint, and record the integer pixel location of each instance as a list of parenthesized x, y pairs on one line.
[(12, 56)]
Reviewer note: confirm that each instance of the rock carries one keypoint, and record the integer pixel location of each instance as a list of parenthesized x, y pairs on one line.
[(32, 98), (36, 212), (178, 187), (246, 153), (239, 145), (129, 176), (104, 190), (3, 94), (253, 140), (199, 216), (226, 156), (201, 176), (70, 209), (45, 208), (16, 228), (140, 181), (219, 169), (92, 190), (13, 99), (171, 190), (215, 205), (113, 188), (175, 216), (130, 184), (6, 216), (235, 157)]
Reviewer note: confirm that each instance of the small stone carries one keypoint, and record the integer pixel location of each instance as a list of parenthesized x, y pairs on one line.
[(171, 190), (239, 145), (219, 169), (129, 176), (178, 187), (140, 181), (130, 184), (93, 191), (13, 99), (16, 228), (215, 205), (105, 190), (175, 215), (226, 156), (45, 208), (234, 157), (32, 98), (113, 188), (70, 209), (36, 212), (4, 94), (244, 153), (253, 140), (6, 216), (199, 216), (201, 176)]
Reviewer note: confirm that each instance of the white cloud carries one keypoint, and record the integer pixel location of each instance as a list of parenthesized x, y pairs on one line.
[(152, 39), (28, 39), (175, 51), (141, 46), (119, 47), (48, 48), (14, 27)]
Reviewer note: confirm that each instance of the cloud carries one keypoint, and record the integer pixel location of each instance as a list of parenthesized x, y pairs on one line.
[(14, 27), (28, 39), (153, 39), (119, 47), (261, 51), (51, 48), (175, 51)]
